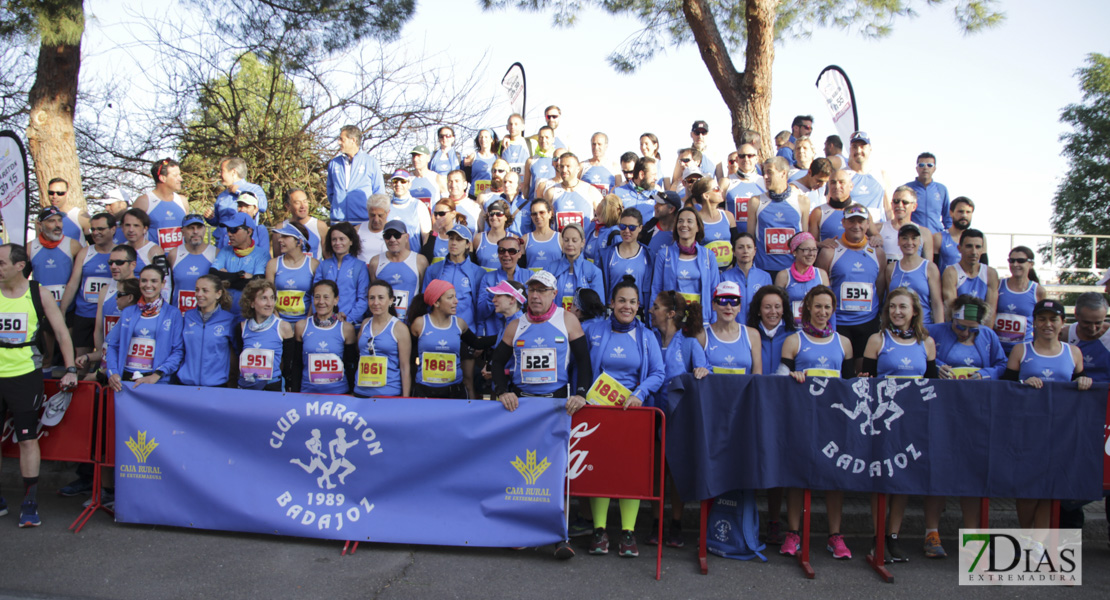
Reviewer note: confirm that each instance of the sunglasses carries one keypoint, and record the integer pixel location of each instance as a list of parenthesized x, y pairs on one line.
[(235, 229), (727, 301), (733, 161), (551, 116), (627, 227), (686, 160), (901, 201), (509, 251), (119, 263), (925, 165), (628, 173), (496, 213), (746, 155), (52, 193), (500, 170), (440, 213), (972, 328), (1018, 261), (539, 214), (445, 136), (392, 235)]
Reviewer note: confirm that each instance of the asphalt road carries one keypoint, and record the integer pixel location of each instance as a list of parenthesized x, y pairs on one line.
[(109, 560)]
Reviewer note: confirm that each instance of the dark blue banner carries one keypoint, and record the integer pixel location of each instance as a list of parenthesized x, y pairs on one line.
[(905, 436), (448, 472)]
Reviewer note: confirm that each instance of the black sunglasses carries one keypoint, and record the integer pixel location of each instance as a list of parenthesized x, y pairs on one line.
[(392, 235), (509, 251), (119, 263), (497, 213)]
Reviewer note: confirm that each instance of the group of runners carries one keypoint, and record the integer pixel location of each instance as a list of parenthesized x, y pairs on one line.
[(519, 270)]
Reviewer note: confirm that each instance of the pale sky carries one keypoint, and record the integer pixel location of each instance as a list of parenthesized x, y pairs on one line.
[(987, 105)]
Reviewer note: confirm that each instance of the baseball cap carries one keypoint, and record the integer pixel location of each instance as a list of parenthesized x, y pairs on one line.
[(689, 172), (909, 228), (117, 195), (727, 288), (192, 219), (239, 220), (55, 408), (290, 231), (395, 225), (462, 231), (700, 125), (1047, 305), (421, 149), (50, 211), (862, 137), (504, 288), (247, 198), (401, 174), (669, 197), (543, 278), (856, 210)]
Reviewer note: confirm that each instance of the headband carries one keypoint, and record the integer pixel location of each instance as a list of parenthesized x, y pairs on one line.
[(435, 289), (799, 239)]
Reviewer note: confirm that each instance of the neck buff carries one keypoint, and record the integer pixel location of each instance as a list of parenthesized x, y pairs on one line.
[(905, 334), (326, 322), (254, 325), (692, 249), (802, 277), (541, 318), (815, 332), (245, 251), (839, 204), (621, 327), (853, 245), (150, 309), (46, 243), (779, 196)]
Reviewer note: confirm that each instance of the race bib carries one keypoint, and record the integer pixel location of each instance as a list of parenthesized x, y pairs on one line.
[(438, 367), (1010, 327), (401, 301), (741, 210), (568, 302), (822, 373), (92, 288), (256, 363), (537, 365), (186, 300), (109, 323), (170, 237), (13, 327), (371, 371), (607, 391), (722, 249), (964, 372), (796, 308), (481, 186), (56, 292), (856, 296), (776, 240), (564, 218), (730, 370), (290, 303), (690, 297), (140, 355), (324, 368)]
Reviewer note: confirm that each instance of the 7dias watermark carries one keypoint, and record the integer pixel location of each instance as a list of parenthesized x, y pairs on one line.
[(1021, 557)]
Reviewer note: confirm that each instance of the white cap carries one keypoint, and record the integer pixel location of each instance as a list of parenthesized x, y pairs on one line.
[(547, 279), (727, 288), (690, 171), (55, 408)]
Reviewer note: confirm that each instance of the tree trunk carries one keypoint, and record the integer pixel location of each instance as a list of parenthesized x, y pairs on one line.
[(747, 94), (50, 136)]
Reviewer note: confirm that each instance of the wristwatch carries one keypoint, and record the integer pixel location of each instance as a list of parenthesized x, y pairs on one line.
[(160, 375), (71, 370)]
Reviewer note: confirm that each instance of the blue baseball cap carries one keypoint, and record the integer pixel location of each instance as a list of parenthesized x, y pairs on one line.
[(862, 137), (192, 219), (462, 231), (290, 231), (50, 211), (240, 219)]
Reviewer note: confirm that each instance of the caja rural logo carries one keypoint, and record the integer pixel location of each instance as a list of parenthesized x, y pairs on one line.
[(142, 448), (335, 445), (531, 471)]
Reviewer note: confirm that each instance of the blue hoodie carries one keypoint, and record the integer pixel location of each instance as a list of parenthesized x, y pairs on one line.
[(207, 348), (169, 348), (665, 275)]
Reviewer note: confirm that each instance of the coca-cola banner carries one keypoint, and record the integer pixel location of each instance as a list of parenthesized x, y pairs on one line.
[(611, 452)]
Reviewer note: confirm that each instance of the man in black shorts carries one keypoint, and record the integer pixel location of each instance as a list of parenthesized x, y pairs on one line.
[(22, 309)]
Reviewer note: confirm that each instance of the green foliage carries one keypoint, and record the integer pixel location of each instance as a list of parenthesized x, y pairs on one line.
[(664, 24), (54, 22), (254, 112), (1081, 200), (298, 32)]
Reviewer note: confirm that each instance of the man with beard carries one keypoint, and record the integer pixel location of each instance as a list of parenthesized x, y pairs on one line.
[(639, 191), (812, 184), (946, 241), (871, 186), (52, 254), (189, 261), (165, 206)]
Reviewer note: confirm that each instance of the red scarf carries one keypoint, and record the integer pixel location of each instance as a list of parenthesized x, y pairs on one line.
[(245, 251), (541, 318), (49, 245)]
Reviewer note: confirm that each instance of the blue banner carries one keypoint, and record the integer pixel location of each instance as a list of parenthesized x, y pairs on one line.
[(904, 436), (422, 471)]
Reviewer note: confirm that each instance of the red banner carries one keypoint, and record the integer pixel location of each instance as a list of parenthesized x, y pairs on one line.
[(612, 452), (70, 440)]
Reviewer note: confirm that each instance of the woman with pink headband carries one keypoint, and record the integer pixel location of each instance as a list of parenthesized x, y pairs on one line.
[(801, 276), (439, 368)]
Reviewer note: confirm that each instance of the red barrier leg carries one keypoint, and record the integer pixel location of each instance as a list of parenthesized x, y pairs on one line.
[(349, 544), (803, 556), (703, 561), (1054, 522), (876, 560), (984, 513)]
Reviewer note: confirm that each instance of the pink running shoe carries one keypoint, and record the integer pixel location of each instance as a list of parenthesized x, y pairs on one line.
[(790, 544), (838, 548)]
